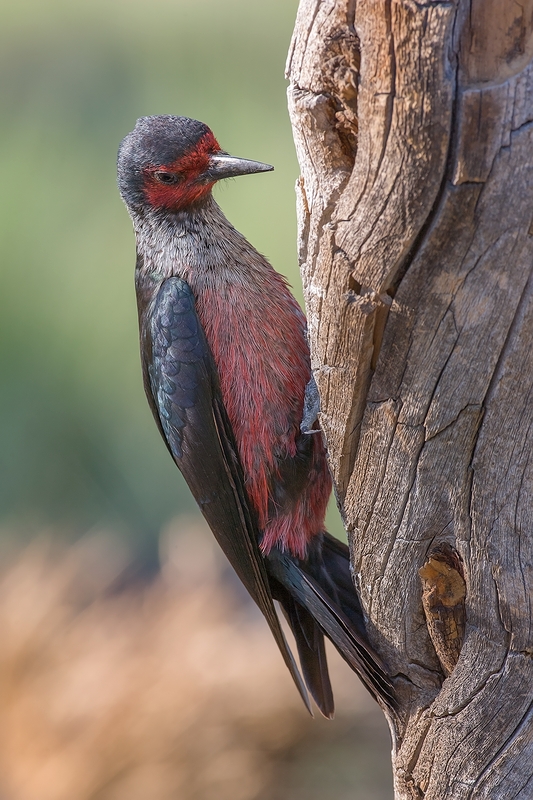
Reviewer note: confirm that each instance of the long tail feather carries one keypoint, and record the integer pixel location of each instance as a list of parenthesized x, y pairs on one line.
[(340, 627), (311, 651)]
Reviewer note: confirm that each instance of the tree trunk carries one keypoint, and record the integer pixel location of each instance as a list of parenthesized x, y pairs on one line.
[(413, 127)]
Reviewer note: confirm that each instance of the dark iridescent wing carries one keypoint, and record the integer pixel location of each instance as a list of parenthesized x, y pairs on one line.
[(186, 399)]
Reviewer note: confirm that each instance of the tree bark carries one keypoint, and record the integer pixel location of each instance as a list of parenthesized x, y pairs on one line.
[(413, 124)]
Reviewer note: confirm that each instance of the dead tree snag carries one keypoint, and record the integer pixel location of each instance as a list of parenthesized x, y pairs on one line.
[(413, 123)]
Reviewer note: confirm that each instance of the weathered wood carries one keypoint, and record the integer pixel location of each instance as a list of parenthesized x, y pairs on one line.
[(413, 124), (443, 601)]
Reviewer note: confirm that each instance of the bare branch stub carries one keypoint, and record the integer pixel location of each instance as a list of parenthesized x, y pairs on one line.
[(414, 129)]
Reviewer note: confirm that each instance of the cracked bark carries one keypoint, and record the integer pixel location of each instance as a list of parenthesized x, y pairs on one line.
[(413, 123)]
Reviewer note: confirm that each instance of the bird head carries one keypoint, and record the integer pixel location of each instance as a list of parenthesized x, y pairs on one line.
[(172, 163)]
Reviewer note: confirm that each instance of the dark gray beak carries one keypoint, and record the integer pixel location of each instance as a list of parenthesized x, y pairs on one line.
[(222, 165)]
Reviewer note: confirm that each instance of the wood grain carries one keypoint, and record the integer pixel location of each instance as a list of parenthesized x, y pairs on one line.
[(413, 124)]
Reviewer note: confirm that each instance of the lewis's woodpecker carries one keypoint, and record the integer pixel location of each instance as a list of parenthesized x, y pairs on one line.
[(226, 364)]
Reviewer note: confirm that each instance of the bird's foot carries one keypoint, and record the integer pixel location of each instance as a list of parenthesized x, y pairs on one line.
[(311, 408)]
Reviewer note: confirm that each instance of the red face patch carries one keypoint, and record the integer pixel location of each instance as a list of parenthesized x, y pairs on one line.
[(175, 186)]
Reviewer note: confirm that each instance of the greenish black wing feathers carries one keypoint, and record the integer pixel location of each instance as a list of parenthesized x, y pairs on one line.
[(184, 387)]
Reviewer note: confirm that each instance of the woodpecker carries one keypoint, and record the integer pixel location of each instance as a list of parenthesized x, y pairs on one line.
[(225, 365)]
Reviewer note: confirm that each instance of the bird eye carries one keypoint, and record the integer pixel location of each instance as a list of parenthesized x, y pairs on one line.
[(166, 177)]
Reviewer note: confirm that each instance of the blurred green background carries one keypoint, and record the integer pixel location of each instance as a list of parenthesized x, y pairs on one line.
[(80, 454), (79, 447)]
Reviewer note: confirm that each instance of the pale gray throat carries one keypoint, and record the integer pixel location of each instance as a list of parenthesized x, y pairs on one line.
[(181, 243)]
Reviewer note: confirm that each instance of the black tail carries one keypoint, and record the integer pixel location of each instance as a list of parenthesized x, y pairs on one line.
[(318, 597), (310, 643)]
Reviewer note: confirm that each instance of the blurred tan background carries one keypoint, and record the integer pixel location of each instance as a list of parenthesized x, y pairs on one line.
[(119, 679)]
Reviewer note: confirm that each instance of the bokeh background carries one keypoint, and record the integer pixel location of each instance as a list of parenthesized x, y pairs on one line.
[(90, 504)]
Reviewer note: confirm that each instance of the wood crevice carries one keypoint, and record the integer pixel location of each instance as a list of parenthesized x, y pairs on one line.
[(426, 401)]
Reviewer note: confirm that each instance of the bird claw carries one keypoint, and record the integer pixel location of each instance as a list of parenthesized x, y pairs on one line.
[(311, 407)]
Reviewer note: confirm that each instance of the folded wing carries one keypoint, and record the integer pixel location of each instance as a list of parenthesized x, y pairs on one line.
[(186, 400)]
